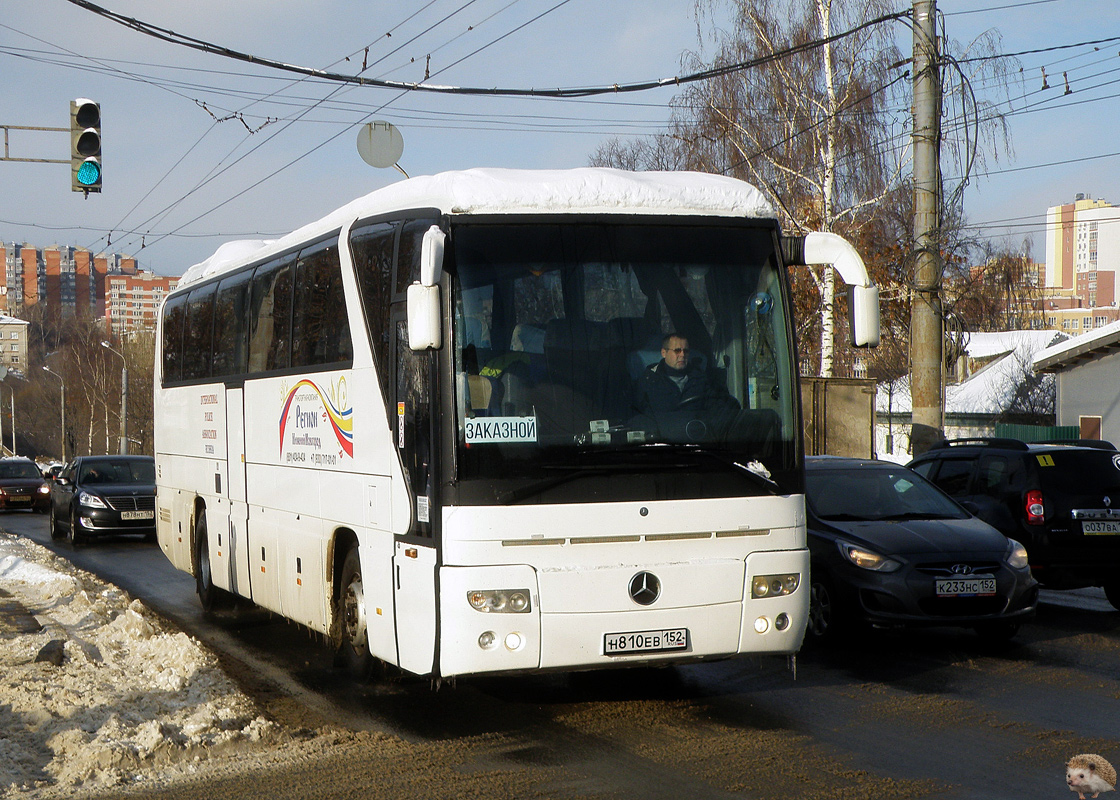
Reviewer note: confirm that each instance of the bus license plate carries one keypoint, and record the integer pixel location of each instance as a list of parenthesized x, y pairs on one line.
[(966, 587), (619, 644), (1099, 528), (138, 515)]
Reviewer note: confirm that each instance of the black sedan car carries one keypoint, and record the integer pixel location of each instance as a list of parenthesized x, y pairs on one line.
[(104, 495), (889, 548), (22, 485)]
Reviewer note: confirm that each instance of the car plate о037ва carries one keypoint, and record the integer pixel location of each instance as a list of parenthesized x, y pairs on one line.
[(617, 644), (1095, 528), (965, 587)]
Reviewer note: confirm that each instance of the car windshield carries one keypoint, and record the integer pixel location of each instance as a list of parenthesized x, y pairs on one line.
[(19, 469), (876, 493), (118, 471)]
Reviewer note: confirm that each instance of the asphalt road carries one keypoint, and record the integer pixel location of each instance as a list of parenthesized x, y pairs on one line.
[(891, 715)]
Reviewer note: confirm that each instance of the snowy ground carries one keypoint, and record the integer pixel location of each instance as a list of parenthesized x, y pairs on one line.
[(105, 694)]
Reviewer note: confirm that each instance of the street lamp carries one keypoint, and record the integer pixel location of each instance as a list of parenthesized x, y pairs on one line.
[(124, 397), (62, 408)]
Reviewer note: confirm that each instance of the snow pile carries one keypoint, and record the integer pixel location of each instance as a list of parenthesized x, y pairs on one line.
[(105, 694)]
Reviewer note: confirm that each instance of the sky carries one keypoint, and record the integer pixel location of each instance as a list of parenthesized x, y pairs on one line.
[(199, 149)]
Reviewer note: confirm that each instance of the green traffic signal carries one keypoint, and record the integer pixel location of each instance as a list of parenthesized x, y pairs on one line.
[(85, 146)]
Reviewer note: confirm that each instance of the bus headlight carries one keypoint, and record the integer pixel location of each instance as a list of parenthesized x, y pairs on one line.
[(500, 601), (774, 585)]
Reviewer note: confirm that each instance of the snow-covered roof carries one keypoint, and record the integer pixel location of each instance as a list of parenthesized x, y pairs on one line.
[(6, 320), (1062, 354), (512, 191), (990, 389)]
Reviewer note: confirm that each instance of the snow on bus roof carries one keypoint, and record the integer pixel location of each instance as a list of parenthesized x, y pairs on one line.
[(510, 191)]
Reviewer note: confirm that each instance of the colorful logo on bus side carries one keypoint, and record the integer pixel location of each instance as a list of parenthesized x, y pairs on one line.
[(308, 411)]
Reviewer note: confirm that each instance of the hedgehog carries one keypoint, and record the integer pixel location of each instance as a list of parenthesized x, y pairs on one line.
[(1089, 774)]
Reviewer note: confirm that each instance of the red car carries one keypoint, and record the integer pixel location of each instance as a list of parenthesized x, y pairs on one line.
[(22, 485)]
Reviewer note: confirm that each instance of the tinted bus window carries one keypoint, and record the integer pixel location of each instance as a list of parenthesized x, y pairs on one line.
[(231, 341), (198, 332), (320, 329), (173, 312), (371, 248), (270, 318)]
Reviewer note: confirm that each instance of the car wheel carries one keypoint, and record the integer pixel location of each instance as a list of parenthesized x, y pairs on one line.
[(353, 652), (1112, 592), (212, 598), (73, 535), (826, 618), (997, 632), (55, 532)]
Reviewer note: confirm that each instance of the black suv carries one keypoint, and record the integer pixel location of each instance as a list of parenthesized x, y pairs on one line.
[(1061, 500)]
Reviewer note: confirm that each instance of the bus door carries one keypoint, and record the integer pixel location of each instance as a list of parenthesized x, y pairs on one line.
[(414, 556), (235, 486)]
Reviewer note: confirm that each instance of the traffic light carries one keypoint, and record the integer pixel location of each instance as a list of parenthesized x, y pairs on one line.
[(85, 146)]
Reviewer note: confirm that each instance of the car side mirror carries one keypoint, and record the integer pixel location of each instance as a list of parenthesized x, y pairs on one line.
[(971, 507)]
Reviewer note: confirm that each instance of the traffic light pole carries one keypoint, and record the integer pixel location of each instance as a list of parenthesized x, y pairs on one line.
[(7, 157)]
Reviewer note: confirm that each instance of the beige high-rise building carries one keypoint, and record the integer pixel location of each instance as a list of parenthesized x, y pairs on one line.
[(1083, 250)]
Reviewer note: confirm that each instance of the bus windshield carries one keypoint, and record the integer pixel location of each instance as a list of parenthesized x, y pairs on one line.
[(619, 346)]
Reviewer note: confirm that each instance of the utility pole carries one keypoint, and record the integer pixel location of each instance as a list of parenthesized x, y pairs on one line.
[(926, 386)]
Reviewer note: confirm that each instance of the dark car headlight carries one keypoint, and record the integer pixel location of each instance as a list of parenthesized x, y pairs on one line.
[(865, 558), (1016, 557), (91, 500)]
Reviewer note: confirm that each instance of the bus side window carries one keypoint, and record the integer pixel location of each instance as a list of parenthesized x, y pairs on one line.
[(408, 253), (320, 329), (173, 313), (270, 318), (371, 248), (230, 341), (198, 332), (414, 412)]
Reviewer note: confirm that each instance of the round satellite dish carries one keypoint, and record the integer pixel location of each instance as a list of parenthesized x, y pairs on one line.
[(380, 144)]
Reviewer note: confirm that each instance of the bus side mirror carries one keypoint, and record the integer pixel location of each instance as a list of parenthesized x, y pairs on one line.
[(431, 256), (423, 317), (863, 315)]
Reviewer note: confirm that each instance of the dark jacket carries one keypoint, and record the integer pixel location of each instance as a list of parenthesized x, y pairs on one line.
[(658, 393), (675, 408)]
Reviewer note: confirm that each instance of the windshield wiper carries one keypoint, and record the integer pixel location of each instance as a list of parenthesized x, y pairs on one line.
[(754, 474)]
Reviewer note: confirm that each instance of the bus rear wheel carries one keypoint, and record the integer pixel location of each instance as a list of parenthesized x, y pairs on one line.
[(210, 596), (353, 652)]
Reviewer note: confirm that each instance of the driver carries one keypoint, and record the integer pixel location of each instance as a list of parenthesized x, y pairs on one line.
[(677, 389)]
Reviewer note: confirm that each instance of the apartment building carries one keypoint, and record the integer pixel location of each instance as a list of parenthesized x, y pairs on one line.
[(132, 301), (13, 343), (72, 280)]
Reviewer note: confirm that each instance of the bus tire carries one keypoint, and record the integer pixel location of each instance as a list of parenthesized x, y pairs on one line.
[(211, 597), (353, 652)]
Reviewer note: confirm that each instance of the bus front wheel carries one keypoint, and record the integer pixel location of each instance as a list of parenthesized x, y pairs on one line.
[(353, 652)]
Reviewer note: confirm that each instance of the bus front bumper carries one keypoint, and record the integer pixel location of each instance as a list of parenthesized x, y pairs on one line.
[(595, 617)]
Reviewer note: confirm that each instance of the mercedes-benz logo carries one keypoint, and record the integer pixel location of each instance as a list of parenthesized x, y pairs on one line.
[(961, 569), (645, 588)]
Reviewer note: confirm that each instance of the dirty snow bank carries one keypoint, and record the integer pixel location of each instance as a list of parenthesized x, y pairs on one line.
[(131, 699)]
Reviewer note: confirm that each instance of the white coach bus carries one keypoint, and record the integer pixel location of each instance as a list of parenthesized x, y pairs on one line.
[(445, 425)]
